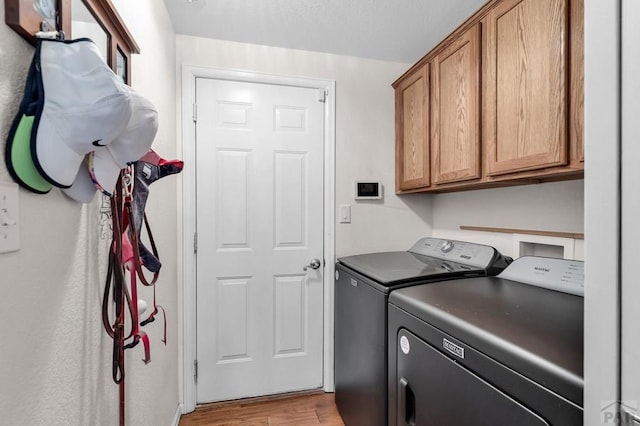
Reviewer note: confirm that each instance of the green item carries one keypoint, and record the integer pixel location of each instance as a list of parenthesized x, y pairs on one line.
[(18, 156), (20, 161)]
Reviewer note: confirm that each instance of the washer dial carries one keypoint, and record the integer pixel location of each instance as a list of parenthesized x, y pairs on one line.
[(447, 246)]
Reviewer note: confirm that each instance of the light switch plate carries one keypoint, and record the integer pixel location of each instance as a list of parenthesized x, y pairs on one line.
[(345, 213), (9, 213)]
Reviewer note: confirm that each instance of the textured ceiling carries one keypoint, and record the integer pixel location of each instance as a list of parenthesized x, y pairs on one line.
[(391, 30)]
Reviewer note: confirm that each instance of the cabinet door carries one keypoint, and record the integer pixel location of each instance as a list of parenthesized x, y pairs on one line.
[(412, 131), (455, 124), (576, 89), (526, 85)]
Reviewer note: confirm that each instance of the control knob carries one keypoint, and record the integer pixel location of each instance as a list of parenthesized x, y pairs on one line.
[(447, 246)]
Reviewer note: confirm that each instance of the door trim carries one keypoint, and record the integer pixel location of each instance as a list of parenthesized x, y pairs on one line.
[(187, 217)]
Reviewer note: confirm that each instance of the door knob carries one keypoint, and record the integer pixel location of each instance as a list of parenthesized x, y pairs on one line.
[(314, 264)]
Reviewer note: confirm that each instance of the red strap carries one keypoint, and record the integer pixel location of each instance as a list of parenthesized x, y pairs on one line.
[(125, 253), (137, 334), (118, 297), (145, 344), (134, 297), (135, 244), (152, 318)]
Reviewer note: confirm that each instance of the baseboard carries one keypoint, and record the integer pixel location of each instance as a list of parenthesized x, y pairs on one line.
[(176, 418)]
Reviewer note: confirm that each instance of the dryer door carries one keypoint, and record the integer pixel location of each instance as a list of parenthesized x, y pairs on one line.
[(432, 389)]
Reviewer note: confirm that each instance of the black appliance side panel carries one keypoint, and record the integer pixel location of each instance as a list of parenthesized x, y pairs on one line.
[(433, 389), (360, 352)]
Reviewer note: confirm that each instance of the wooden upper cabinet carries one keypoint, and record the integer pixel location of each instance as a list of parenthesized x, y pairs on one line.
[(576, 89), (498, 102), (526, 102), (455, 124), (412, 131)]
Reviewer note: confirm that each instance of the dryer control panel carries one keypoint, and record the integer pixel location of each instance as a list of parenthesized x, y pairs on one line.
[(471, 254), (556, 274)]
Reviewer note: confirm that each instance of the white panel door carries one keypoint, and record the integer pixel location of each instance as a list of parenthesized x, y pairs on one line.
[(259, 150)]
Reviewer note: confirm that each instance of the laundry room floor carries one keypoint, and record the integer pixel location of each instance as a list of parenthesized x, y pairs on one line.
[(307, 408)]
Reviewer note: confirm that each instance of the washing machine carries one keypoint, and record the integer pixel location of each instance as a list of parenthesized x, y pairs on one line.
[(504, 350), (363, 284)]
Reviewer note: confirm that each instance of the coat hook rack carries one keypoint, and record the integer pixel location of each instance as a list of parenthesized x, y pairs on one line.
[(24, 18)]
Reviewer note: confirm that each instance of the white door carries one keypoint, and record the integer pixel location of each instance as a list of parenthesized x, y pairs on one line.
[(259, 151)]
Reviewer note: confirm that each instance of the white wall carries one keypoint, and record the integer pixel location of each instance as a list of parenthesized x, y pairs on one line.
[(56, 358), (364, 134), (557, 206)]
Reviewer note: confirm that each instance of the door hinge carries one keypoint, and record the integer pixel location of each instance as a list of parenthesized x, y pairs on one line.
[(195, 370), (322, 95), (195, 243), (195, 112)]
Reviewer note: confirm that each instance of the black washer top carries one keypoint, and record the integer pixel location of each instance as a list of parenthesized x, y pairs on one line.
[(398, 267), (535, 331)]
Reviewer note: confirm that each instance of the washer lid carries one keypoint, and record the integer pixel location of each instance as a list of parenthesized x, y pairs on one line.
[(396, 267), (535, 331), (428, 259)]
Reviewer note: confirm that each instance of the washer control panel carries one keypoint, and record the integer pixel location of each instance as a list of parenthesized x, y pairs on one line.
[(471, 254), (447, 246)]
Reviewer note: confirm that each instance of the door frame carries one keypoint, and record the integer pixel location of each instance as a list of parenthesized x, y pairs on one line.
[(602, 206), (187, 218)]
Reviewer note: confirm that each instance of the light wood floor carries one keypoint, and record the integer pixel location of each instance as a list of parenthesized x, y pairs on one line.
[(308, 408)]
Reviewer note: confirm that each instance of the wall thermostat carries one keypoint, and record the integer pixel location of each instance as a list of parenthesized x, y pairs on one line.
[(368, 190)]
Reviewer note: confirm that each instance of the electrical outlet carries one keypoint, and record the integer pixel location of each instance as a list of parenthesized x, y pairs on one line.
[(9, 229)]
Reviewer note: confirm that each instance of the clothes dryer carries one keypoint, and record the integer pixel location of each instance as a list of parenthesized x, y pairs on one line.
[(505, 350)]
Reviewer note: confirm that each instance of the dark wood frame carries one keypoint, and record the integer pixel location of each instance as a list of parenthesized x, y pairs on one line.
[(22, 18)]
